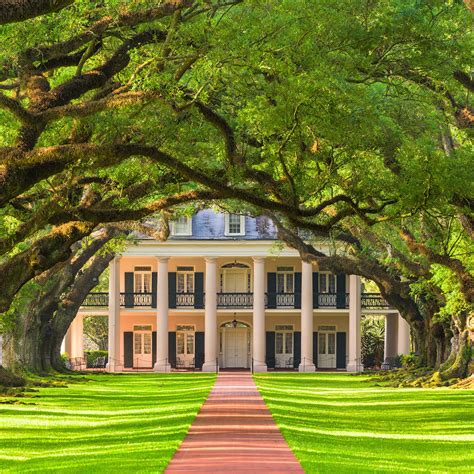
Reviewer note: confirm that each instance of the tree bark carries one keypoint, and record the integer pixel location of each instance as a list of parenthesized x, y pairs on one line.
[(13, 11)]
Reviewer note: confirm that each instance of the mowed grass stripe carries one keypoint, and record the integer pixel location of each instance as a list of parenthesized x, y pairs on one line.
[(342, 423), (102, 423)]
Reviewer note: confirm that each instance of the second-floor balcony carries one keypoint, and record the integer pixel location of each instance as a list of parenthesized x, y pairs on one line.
[(196, 300)]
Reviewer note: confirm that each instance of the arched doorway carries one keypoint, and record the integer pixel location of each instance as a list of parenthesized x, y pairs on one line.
[(234, 344)]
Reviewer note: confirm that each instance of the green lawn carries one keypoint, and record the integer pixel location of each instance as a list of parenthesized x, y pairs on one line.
[(341, 423), (122, 423)]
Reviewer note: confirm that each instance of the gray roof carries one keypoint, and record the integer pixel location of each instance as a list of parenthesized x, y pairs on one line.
[(210, 225)]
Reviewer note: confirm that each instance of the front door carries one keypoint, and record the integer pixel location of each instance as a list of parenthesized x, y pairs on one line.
[(327, 350), (236, 342), (235, 281), (142, 348)]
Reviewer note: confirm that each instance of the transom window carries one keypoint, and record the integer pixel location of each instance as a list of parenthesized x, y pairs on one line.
[(327, 283), (185, 279), (142, 279), (182, 226), (142, 327), (285, 280), (234, 224)]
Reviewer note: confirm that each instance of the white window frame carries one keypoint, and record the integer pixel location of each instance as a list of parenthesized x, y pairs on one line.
[(188, 230), (140, 274), (185, 273), (242, 225), (327, 275), (284, 330), (189, 331), (286, 273)]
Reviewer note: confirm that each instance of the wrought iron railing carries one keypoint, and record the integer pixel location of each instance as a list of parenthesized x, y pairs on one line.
[(285, 300), (96, 300), (184, 300), (234, 300), (136, 299), (373, 301), (327, 300)]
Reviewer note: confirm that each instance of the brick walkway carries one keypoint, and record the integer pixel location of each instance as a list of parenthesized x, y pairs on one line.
[(234, 432)]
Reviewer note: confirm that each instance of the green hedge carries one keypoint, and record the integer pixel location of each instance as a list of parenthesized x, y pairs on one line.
[(92, 356)]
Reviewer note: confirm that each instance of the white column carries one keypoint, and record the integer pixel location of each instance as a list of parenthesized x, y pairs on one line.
[(77, 334), (210, 317), (162, 363), (403, 336), (354, 363), (307, 364), (114, 363), (259, 364), (391, 337)]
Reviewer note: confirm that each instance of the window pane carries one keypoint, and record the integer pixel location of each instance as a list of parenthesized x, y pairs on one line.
[(180, 282), (279, 343), (189, 282), (234, 224), (189, 343), (322, 283), (180, 343), (331, 343), (137, 349), (280, 282), (181, 226), (321, 343), (332, 283), (289, 343), (289, 283), (147, 283), (147, 343), (138, 282)]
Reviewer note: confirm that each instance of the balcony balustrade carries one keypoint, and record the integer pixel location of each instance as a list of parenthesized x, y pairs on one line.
[(234, 300), (185, 300), (371, 301)]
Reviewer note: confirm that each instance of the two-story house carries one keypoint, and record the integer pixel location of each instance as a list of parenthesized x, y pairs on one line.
[(223, 292)]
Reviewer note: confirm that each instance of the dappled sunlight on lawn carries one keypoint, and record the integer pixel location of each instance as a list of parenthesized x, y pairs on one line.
[(103, 423), (344, 423)]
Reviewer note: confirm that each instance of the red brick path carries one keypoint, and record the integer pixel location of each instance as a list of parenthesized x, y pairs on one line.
[(234, 432)]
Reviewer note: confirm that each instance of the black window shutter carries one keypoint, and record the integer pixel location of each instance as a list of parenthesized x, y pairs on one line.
[(172, 349), (199, 350), (315, 349), (128, 350), (271, 291), (341, 350), (154, 284), (315, 289), (341, 291), (297, 290), (172, 290), (297, 348), (153, 348), (199, 290), (270, 349), (129, 287)]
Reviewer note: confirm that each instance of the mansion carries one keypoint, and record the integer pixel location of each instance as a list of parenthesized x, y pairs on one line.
[(223, 292)]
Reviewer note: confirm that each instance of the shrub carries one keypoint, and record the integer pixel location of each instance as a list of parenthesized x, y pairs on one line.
[(92, 356), (372, 347), (410, 360)]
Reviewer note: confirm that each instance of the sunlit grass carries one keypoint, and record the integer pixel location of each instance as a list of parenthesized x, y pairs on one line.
[(103, 423), (341, 423)]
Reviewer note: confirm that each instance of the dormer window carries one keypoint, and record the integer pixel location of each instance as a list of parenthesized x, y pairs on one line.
[(182, 226), (234, 224)]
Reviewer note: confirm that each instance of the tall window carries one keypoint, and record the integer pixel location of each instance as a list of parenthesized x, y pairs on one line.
[(185, 280), (284, 339), (327, 283), (185, 340), (285, 280), (234, 224), (181, 226), (142, 279)]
